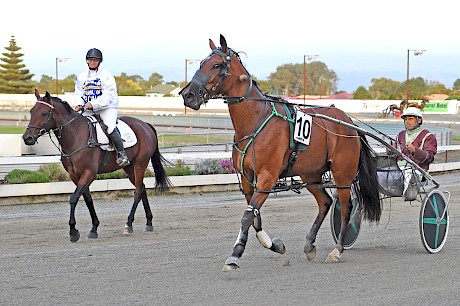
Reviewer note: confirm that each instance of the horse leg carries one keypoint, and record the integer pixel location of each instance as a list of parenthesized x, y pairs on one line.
[(92, 212), (136, 178), (275, 244), (148, 211), (74, 232), (344, 198), (251, 212), (324, 203)]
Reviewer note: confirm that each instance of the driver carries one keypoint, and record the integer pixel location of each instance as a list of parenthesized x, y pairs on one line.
[(416, 143), (96, 92)]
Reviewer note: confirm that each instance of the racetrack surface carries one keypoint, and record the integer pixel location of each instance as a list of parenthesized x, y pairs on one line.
[(180, 262)]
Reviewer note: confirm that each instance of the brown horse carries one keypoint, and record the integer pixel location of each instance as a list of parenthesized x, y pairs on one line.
[(419, 105), (84, 161), (261, 151)]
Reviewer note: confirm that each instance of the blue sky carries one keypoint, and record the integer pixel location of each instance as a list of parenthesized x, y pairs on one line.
[(359, 39)]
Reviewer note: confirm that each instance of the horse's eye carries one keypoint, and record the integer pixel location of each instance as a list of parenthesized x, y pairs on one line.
[(217, 66), (44, 114)]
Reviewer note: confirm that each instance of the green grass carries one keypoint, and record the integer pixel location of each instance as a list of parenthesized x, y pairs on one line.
[(456, 137), (12, 129)]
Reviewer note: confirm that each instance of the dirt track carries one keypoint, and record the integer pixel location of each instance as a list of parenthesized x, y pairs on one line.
[(180, 262)]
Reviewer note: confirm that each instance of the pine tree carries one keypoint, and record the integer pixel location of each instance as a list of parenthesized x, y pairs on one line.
[(14, 78)]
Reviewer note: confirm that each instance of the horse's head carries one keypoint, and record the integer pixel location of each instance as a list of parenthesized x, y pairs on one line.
[(42, 118), (216, 76)]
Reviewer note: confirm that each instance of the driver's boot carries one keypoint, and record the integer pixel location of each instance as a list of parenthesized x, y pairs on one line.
[(122, 158)]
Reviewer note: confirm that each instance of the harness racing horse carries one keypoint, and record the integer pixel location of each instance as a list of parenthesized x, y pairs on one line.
[(261, 151), (84, 161)]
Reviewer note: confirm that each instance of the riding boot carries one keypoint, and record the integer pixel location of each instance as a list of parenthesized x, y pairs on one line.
[(122, 158)]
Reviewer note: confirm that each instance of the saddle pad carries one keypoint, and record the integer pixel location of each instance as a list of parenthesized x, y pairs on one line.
[(290, 113), (127, 135)]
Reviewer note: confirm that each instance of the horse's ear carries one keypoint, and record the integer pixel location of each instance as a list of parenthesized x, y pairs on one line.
[(37, 94), (223, 43), (212, 45), (47, 96)]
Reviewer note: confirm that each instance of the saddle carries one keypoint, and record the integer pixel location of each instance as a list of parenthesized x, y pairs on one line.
[(102, 140)]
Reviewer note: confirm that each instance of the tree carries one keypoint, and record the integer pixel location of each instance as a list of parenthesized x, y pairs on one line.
[(289, 80), (362, 93), (386, 89), (456, 84), (14, 77), (129, 85)]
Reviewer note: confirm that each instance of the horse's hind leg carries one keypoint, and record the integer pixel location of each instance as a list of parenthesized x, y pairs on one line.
[(148, 211), (136, 177), (324, 203), (129, 224), (94, 220)]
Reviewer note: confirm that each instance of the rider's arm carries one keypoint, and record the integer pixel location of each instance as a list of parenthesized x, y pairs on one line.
[(426, 154)]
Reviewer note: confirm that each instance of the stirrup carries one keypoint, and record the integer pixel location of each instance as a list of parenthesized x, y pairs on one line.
[(122, 160)]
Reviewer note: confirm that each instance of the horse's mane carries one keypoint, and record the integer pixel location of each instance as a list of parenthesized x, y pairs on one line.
[(65, 103)]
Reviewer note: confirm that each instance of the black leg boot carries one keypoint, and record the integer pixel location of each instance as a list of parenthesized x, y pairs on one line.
[(122, 158)]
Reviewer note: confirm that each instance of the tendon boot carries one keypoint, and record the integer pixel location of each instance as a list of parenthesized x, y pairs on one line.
[(122, 158)]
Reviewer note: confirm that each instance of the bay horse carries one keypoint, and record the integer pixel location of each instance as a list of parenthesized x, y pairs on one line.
[(261, 151), (84, 161)]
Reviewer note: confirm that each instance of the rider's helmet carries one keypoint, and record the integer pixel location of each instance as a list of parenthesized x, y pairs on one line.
[(412, 111), (94, 53)]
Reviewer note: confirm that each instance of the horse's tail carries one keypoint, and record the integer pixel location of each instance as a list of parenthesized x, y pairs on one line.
[(162, 182), (368, 182)]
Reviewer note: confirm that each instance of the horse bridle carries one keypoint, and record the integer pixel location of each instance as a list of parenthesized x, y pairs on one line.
[(50, 116)]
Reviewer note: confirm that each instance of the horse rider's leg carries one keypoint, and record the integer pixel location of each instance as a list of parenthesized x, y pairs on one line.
[(92, 212), (345, 210), (275, 244), (122, 158), (324, 203), (109, 117)]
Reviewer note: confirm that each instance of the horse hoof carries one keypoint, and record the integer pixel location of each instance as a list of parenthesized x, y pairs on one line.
[(91, 235), (128, 230), (310, 254), (230, 267), (75, 236), (333, 256), (148, 228), (231, 264), (279, 246)]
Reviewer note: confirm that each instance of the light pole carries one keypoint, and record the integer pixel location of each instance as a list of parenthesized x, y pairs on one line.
[(59, 60), (187, 62), (417, 52), (305, 58)]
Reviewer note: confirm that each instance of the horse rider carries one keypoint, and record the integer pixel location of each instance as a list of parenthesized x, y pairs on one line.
[(416, 143), (96, 92)]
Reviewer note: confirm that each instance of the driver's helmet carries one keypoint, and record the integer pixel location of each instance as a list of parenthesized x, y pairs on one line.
[(94, 53), (412, 111)]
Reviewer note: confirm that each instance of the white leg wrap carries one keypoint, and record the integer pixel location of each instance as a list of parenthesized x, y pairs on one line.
[(237, 239), (264, 239)]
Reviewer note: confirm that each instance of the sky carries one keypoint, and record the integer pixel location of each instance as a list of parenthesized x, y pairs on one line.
[(358, 39)]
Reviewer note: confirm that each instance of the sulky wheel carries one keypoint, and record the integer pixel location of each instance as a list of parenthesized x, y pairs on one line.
[(434, 221), (353, 226)]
